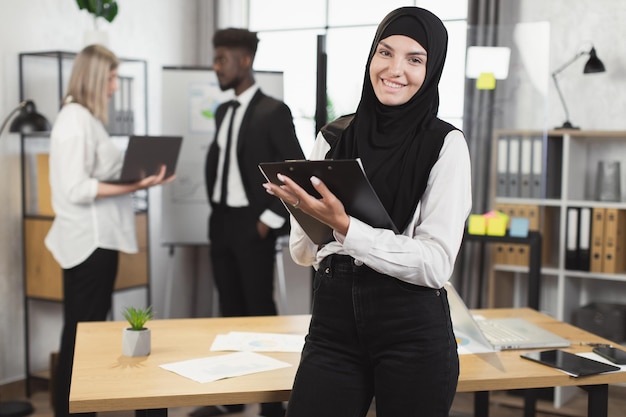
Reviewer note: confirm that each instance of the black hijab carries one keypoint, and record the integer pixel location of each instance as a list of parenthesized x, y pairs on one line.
[(399, 145)]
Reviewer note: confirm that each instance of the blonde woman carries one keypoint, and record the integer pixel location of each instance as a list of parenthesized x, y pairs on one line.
[(94, 220)]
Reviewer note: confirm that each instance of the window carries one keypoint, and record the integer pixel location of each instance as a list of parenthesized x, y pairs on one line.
[(289, 45)]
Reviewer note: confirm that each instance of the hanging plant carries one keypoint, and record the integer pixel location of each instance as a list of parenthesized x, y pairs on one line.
[(106, 9)]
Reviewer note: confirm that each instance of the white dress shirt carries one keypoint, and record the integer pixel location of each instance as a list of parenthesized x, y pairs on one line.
[(81, 155), (236, 196), (425, 252)]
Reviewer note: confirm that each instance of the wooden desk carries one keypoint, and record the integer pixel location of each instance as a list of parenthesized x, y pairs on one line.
[(104, 380)]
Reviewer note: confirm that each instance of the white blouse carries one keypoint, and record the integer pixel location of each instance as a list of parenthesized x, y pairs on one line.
[(425, 253), (81, 155)]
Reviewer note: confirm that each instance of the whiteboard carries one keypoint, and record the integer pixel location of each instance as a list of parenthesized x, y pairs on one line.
[(190, 98)]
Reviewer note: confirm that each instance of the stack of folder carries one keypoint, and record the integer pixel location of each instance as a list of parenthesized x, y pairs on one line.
[(520, 162), (520, 166), (605, 249), (121, 114)]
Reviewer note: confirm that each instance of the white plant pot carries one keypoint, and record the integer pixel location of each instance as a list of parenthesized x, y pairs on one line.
[(99, 37), (136, 342)]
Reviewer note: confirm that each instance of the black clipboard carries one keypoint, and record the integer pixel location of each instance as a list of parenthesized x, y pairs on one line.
[(145, 155), (345, 178)]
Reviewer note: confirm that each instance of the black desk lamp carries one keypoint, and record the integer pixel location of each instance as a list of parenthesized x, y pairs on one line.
[(27, 121), (593, 65)]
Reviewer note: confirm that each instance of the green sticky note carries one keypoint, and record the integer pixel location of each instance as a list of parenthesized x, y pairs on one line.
[(486, 81)]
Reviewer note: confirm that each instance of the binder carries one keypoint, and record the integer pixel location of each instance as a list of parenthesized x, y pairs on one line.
[(554, 166), (584, 239), (513, 190), (614, 234), (114, 122), (125, 108), (511, 249), (536, 188), (571, 239), (597, 239), (526, 164), (129, 121), (344, 178), (502, 167), (500, 249)]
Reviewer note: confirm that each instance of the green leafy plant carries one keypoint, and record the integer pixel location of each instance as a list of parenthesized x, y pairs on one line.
[(106, 9), (137, 317)]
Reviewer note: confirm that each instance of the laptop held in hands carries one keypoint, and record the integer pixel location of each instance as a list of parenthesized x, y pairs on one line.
[(145, 155)]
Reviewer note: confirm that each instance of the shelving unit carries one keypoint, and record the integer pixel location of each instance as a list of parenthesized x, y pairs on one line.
[(569, 159), (564, 165), (43, 78)]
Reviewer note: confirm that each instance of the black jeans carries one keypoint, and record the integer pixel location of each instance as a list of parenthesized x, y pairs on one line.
[(87, 294), (375, 336)]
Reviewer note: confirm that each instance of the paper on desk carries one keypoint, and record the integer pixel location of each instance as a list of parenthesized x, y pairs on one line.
[(258, 342), (224, 366), (468, 345)]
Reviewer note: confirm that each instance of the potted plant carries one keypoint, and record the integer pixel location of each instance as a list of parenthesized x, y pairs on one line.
[(105, 9), (136, 338)]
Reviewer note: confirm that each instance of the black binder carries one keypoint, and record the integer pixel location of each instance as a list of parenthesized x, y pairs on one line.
[(345, 178)]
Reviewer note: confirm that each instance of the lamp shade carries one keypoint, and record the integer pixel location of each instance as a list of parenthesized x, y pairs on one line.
[(594, 64), (29, 120)]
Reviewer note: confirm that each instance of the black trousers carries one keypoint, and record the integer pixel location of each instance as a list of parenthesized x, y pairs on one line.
[(243, 263), (87, 296), (243, 269), (373, 336)]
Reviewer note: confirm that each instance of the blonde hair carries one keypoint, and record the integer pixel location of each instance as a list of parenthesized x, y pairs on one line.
[(89, 81)]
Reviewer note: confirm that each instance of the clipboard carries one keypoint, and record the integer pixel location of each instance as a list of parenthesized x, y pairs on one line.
[(345, 178)]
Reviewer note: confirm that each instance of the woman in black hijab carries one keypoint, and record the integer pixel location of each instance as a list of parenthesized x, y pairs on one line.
[(380, 322)]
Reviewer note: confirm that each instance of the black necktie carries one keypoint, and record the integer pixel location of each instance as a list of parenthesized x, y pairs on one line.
[(229, 139)]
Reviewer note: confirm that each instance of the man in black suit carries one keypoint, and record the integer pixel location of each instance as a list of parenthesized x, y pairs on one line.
[(245, 220)]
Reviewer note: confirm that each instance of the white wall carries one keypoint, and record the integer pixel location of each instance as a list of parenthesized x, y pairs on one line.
[(594, 101), (163, 32)]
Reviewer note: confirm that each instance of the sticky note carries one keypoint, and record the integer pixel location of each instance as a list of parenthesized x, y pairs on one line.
[(477, 224), (519, 227), (486, 81), (496, 226)]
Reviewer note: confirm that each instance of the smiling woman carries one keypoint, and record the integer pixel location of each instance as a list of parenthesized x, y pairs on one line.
[(371, 282), (398, 69)]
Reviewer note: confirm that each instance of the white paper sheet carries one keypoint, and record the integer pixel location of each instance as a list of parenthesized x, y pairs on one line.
[(224, 366), (258, 342)]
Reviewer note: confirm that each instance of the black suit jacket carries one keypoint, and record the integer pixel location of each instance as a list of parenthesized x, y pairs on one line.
[(267, 134)]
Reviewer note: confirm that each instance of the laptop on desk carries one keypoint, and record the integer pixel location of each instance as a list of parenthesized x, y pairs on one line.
[(499, 334)]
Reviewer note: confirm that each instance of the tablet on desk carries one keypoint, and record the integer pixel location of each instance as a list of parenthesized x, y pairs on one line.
[(345, 178), (569, 363), (146, 154)]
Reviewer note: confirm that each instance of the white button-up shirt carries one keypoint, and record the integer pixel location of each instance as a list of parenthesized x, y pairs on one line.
[(81, 155)]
